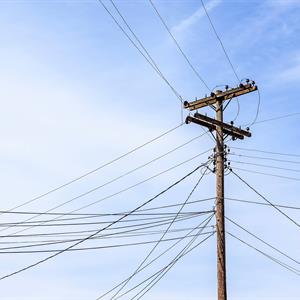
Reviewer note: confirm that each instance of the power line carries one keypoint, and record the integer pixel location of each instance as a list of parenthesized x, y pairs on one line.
[(178, 46), (96, 169), (159, 256), (98, 247), (284, 265), (162, 272), (267, 152), (268, 174), (169, 226), (149, 59), (220, 41), (136, 232), (261, 240), (266, 158), (46, 243), (136, 227), (99, 214), (278, 118), (262, 203), (116, 193), (100, 230), (264, 166), (264, 198), (48, 224)]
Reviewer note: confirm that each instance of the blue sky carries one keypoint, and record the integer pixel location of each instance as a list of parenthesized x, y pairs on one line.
[(76, 94)]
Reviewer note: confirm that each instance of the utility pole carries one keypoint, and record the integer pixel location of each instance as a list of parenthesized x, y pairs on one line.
[(220, 222), (216, 100)]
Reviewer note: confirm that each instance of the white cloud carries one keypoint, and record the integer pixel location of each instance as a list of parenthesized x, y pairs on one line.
[(195, 17), (291, 73)]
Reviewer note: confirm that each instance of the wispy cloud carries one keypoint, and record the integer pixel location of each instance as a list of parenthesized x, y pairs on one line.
[(292, 73), (195, 17)]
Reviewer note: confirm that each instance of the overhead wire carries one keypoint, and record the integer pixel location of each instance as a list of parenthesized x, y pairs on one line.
[(266, 152), (277, 118), (100, 214), (264, 166), (47, 243), (220, 41), (135, 227), (268, 174), (137, 232), (264, 198), (262, 203), (265, 158), (284, 265), (162, 272), (178, 45), (146, 55), (224, 50), (166, 231), (263, 241), (97, 247), (95, 169), (116, 193), (101, 229), (159, 256)]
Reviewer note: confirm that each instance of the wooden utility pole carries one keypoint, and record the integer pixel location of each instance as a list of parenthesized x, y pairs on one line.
[(220, 222), (216, 100)]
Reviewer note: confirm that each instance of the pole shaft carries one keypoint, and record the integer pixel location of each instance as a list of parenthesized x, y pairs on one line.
[(220, 222)]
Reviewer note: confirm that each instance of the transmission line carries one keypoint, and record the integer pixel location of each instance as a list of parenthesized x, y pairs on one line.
[(146, 56), (262, 203), (284, 265), (169, 226), (178, 46), (268, 174), (160, 255), (96, 169), (263, 241), (264, 198), (101, 229), (266, 152), (114, 194)]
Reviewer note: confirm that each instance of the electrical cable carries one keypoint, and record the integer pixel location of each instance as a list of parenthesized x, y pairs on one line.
[(162, 272), (149, 59), (172, 263), (101, 229), (96, 169), (47, 243), (264, 166), (277, 118), (261, 240), (116, 193), (159, 256), (262, 203), (178, 46), (220, 41), (268, 174), (169, 226), (97, 247), (265, 158), (286, 266), (266, 152), (101, 214), (264, 198)]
